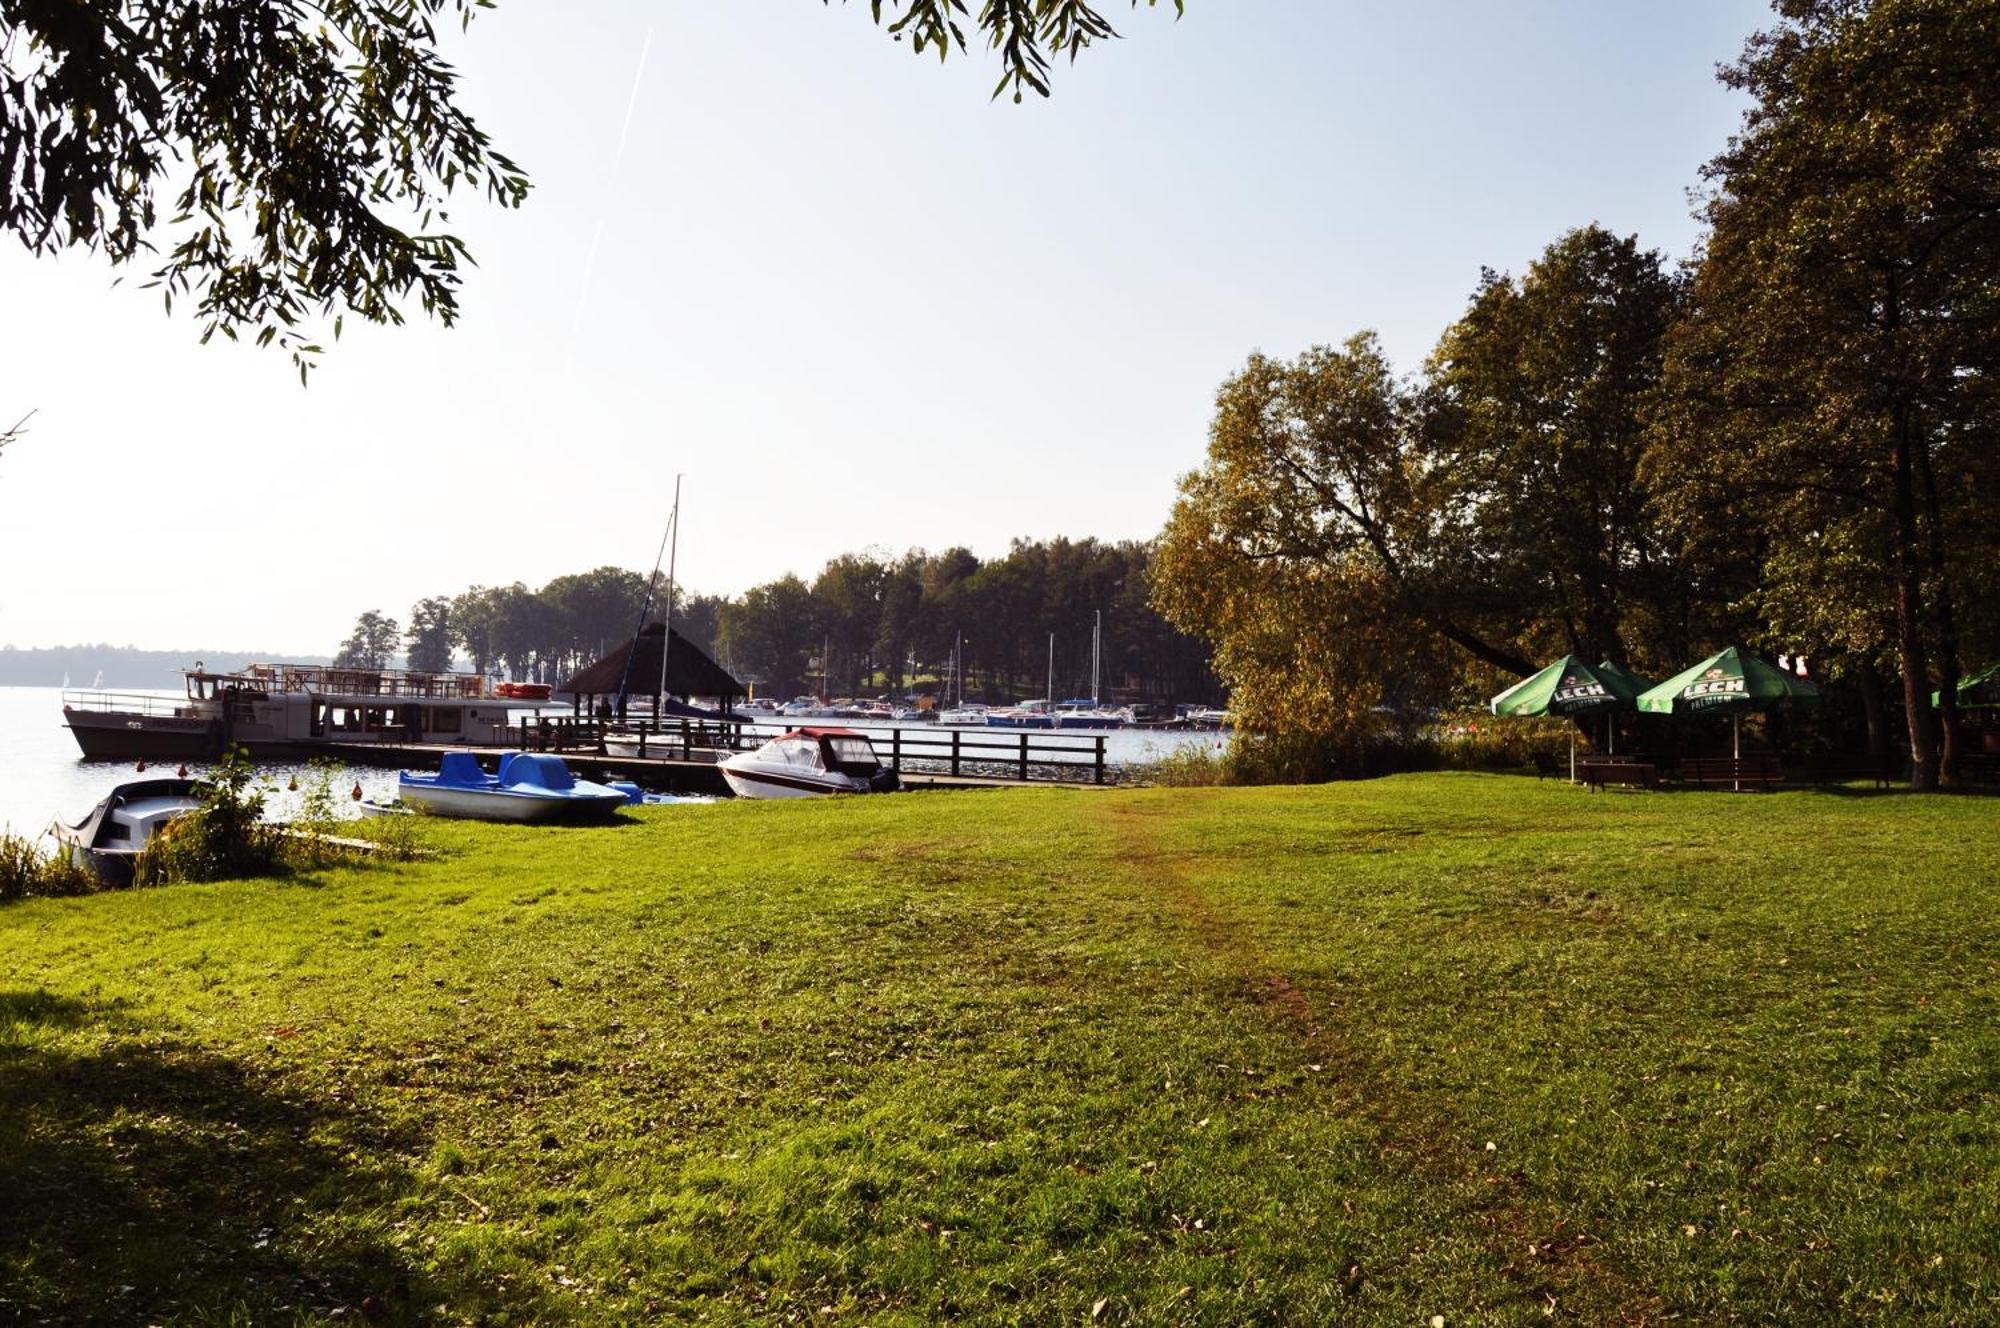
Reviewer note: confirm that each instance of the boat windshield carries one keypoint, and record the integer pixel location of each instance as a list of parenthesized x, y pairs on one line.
[(801, 752), (851, 754)]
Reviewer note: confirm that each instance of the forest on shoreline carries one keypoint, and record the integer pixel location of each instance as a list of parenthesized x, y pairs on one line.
[(867, 622)]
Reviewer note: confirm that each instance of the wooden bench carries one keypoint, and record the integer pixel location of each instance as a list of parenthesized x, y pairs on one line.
[(1848, 769), (1597, 774), (1979, 768), (1761, 771)]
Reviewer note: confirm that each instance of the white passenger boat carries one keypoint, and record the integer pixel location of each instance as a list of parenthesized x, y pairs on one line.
[(109, 839), (809, 763), (297, 709)]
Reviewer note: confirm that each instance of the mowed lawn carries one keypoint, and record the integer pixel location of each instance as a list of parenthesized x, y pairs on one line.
[(1456, 1045)]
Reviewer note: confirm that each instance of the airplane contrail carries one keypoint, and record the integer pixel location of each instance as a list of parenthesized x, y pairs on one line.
[(597, 234)]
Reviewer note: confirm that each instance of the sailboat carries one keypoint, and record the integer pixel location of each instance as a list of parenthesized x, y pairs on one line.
[(1090, 712), (632, 743), (960, 712)]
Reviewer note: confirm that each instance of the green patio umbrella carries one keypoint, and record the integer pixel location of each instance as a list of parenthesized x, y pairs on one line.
[(1730, 682), (1979, 692), (1569, 686)]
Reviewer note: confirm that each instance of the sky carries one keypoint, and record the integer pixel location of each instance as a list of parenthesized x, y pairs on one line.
[(854, 301)]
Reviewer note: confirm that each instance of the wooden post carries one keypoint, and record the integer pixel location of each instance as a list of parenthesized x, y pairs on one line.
[(1024, 754), (896, 750), (1098, 773), (956, 734), (687, 741)]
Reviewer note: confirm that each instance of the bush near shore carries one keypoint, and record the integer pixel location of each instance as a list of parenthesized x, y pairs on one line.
[(1458, 1045)]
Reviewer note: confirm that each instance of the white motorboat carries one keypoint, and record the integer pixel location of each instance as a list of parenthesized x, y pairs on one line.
[(810, 763), (529, 787), (110, 838), (973, 715)]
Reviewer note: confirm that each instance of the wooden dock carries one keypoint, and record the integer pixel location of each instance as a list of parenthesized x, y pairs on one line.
[(682, 758)]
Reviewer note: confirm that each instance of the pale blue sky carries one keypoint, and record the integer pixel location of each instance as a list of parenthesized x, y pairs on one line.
[(855, 301)]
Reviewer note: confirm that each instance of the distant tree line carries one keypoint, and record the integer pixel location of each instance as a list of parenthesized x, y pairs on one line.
[(868, 623), (1789, 442)]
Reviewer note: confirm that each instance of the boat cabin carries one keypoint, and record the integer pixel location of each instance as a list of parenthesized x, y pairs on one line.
[(841, 751)]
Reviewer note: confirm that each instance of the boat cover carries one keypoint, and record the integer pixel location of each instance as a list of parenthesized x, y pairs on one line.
[(535, 771), (461, 770), (90, 829)]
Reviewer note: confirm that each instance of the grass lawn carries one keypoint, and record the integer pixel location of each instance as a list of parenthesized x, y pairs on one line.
[(1453, 1045)]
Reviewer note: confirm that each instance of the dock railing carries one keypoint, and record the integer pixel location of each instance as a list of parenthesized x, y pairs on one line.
[(1024, 755)]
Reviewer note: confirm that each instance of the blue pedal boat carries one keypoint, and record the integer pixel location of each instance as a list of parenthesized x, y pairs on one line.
[(529, 787)]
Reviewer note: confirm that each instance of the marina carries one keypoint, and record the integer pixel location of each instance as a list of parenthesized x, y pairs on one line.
[(43, 776)]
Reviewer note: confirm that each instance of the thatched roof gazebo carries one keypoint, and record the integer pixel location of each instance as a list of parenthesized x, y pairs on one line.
[(634, 669)]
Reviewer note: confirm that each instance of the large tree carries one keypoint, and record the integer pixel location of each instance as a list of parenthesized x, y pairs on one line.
[(1357, 540), (279, 162), (372, 643), (1303, 551), (767, 635), (431, 635), (1537, 414), (1831, 394)]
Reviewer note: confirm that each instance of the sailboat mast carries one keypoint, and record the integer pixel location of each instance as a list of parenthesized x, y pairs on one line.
[(1052, 670), (667, 636), (1096, 657)]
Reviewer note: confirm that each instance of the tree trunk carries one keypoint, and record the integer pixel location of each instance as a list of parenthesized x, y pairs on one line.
[(1869, 679), (1909, 610), (1945, 616)]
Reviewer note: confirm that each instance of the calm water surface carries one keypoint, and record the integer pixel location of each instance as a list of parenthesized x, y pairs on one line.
[(41, 774)]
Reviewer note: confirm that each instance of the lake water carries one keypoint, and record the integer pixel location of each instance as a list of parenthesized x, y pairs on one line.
[(41, 774)]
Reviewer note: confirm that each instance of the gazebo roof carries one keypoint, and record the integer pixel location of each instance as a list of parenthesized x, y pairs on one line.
[(690, 672)]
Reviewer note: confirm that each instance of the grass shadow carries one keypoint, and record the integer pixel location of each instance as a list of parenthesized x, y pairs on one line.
[(147, 1181)]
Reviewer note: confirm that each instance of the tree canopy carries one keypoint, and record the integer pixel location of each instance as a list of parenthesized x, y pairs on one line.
[(1841, 347), (1354, 536), (1789, 443), (279, 164), (1028, 35)]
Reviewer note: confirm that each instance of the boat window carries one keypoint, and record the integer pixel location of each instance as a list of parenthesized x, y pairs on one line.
[(851, 753), (447, 719), (801, 752), (117, 830)]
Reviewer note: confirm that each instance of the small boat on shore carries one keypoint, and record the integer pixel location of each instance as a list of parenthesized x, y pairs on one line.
[(109, 839), (807, 763), (529, 787)]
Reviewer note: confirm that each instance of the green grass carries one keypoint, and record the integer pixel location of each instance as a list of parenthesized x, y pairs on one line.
[(1450, 1044)]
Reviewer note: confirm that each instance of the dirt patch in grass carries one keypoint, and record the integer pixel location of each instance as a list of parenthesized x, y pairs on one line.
[(1532, 1246)]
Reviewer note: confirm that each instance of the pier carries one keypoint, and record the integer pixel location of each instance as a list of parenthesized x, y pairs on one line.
[(681, 757)]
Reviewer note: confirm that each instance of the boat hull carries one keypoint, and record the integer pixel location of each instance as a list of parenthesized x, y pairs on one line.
[(748, 779), (504, 805), (119, 736), (112, 867), (752, 781)]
